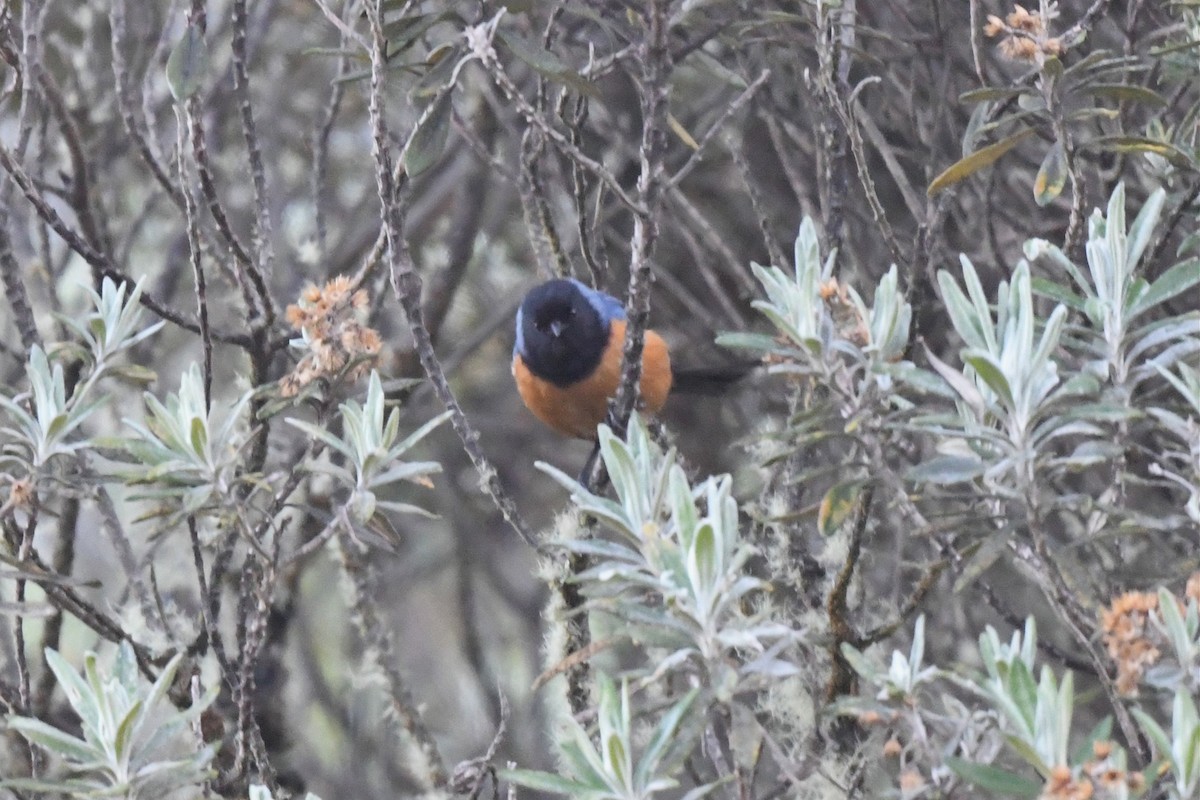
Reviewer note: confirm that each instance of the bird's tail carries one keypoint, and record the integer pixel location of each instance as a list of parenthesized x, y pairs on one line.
[(710, 380)]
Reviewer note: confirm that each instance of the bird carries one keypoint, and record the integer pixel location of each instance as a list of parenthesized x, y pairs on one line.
[(567, 359)]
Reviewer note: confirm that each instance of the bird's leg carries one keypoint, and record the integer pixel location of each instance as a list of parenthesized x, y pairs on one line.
[(585, 476)]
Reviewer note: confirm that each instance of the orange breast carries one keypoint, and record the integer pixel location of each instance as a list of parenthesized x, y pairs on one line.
[(577, 409)]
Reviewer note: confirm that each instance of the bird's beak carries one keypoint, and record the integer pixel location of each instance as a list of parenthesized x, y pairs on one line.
[(556, 328)]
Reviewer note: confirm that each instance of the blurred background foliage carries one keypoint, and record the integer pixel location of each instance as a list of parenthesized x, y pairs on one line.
[(979, 397)]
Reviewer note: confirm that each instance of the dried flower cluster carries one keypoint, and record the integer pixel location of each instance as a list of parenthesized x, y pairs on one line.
[(1025, 35), (1132, 638), (20, 495), (1101, 772), (1105, 773), (872, 717), (1127, 636), (1062, 785), (845, 314), (911, 783), (333, 335)]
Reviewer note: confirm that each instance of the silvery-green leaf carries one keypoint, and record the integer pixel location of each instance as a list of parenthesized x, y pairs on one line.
[(430, 138), (54, 740), (1051, 176), (994, 779), (1174, 281), (77, 691), (187, 64), (947, 470), (407, 470), (1162, 332), (958, 382), (546, 782), (665, 733), (963, 314), (405, 508)]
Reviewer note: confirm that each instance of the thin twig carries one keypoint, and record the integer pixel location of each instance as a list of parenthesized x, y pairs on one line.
[(976, 43), (472, 614), (254, 605), (111, 525), (320, 152), (24, 549), (14, 290), (208, 188), (80, 195), (379, 647), (490, 60), (187, 119), (211, 635), (581, 187), (757, 203), (1090, 17), (259, 270), (786, 140), (702, 264), (547, 244), (911, 604), (840, 628), (33, 22), (406, 284), (93, 257), (1064, 603), (68, 599), (695, 158), (64, 562), (656, 65), (734, 264), (844, 107), (912, 198), (346, 31), (213, 600), (125, 104), (1168, 228), (832, 151)]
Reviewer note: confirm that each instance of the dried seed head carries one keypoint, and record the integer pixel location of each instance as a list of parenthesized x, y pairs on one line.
[(333, 335), (1127, 637)]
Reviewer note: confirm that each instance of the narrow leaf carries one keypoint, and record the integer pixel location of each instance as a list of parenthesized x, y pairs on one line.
[(429, 140), (981, 158), (546, 63), (682, 132), (1051, 176), (947, 469), (53, 739), (1175, 281), (1141, 144), (991, 374), (958, 382), (1129, 92), (187, 64), (199, 436), (544, 781), (994, 779), (836, 507)]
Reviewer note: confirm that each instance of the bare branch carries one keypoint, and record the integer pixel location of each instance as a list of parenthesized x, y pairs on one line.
[(656, 72)]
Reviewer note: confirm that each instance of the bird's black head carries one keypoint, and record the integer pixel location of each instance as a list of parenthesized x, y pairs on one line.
[(561, 334)]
